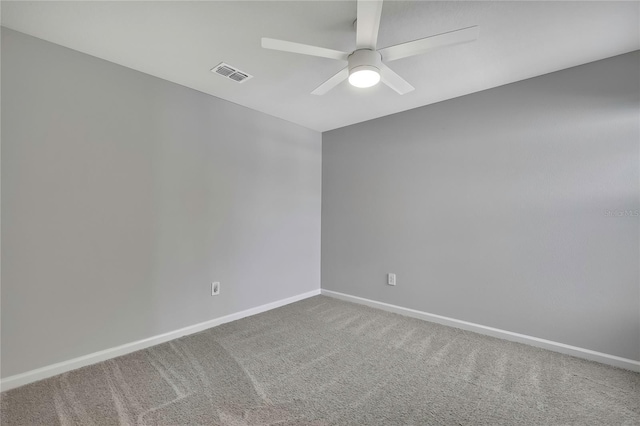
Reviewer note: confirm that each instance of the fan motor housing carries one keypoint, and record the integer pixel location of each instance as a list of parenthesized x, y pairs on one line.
[(364, 58)]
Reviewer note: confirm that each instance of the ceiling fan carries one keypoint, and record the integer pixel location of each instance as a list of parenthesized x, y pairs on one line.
[(366, 65)]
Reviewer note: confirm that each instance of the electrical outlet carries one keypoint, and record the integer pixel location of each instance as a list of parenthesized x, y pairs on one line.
[(215, 288), (391, 279)]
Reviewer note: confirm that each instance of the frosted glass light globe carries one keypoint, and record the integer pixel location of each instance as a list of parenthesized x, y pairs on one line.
[(364, 76)]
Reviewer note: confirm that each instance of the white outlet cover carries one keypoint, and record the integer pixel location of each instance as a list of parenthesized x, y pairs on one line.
[(391, 279), (215, 288)]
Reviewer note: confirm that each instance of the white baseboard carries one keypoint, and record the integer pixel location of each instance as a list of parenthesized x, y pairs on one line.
[(603, 358), (72, 364)]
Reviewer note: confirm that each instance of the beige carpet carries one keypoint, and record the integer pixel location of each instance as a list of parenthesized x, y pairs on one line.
[(326, 362)]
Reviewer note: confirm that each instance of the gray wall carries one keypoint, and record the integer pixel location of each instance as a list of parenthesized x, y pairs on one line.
[(124, 196), (492, 208)]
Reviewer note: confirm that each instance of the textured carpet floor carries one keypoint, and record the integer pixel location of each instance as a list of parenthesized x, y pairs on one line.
[(322, 361)]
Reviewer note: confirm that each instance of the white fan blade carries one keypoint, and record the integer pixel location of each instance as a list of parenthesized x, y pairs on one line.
[(423, 45), (368, 23), (393, 80), (305, 49), (341, 76)]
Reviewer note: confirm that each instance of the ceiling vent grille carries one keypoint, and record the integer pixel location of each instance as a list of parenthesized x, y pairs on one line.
[(231, 73)]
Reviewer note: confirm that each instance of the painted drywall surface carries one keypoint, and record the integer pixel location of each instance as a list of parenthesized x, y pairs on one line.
[(124, 196), (515, 208)]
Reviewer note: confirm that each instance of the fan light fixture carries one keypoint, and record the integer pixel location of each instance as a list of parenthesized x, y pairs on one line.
[(364, 68), (364, 65), (364, 76)]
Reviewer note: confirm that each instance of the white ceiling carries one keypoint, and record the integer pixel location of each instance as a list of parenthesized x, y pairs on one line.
[(182, 41)]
